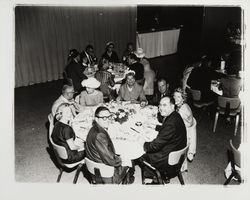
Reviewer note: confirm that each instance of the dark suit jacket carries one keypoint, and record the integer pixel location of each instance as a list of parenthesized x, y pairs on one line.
[(139, 70), (171, 137), (200, 79), (114, 57), (75, 72), (157, 97)]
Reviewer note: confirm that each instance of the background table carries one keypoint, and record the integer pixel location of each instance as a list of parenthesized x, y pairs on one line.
[(158, 43)]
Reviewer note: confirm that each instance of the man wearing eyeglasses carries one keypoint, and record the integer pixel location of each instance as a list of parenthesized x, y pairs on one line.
[(67, 96), (100, 148)]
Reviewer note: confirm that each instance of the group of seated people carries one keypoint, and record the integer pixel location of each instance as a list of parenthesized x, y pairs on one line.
[(175, 115), (177, 128), (79, 63), (199, 76)]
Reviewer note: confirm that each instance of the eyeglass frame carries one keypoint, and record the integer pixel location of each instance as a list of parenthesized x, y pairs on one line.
[(105, 118)]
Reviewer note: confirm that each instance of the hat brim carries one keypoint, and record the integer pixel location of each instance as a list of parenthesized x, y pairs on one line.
[(110, 43), (91, 84), (141, 55)]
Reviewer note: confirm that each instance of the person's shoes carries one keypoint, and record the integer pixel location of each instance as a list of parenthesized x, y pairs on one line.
[(190, 157), (131, 179), (153, 183), (166, 180)]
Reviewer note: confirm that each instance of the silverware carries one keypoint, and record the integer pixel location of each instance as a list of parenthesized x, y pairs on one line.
[(135, 130)]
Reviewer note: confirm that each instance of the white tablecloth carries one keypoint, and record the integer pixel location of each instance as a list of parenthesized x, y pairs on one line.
[(158, 43), (127, 137)]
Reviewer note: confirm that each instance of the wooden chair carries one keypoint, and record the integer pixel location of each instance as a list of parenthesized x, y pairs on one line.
[(99, 171), (235, 159), (175, 161), (61, 154), (228, 107), (197, 102)]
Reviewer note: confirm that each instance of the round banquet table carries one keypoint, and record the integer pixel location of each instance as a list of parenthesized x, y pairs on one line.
[(127, 137)]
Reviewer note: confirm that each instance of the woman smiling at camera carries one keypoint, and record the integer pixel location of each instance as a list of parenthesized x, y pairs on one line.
[(91, 96), (186, 113)]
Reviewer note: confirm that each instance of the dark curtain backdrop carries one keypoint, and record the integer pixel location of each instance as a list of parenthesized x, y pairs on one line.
[(44, 36)]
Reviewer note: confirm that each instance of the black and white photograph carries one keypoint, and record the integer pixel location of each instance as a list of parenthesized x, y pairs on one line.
[(137, 96)]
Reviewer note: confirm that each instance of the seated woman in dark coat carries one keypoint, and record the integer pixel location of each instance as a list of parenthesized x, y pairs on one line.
[(64, 135), (110, 54)]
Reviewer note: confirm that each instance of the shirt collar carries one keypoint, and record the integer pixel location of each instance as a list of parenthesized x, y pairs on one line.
[(64, 99)]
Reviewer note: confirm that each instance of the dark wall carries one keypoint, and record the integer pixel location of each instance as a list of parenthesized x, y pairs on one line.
[(190, 18), (203, 28), (214, 27)]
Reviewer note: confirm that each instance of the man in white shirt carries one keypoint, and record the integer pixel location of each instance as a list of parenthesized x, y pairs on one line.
[(67, 96)]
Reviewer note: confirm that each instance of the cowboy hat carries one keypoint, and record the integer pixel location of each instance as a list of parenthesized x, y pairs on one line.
[(91, 83), (139, 53)]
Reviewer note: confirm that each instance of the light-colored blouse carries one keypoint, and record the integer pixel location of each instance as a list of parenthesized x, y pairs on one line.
[(135, 93), (186, 113), (91, 99)]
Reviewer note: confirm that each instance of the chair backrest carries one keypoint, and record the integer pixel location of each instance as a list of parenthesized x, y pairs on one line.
[(105, 170), (233, 103), (175, 156), (51, 123), (196, 94), (236, 154), (185, 75), (59, 150)]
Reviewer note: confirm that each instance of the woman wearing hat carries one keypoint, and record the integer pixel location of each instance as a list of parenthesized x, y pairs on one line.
[(74, 69), (149, 74), (141, 56), (110, 54), (91, 96)]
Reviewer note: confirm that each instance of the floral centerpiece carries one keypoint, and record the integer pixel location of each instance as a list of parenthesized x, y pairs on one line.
[(121, 116)]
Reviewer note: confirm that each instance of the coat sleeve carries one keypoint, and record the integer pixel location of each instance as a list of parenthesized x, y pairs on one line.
[(164, 137), (107, 155)]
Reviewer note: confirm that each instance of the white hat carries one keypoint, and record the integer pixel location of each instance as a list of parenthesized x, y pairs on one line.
[(91, 83), (130, 72), (110, 43), (139, 53)]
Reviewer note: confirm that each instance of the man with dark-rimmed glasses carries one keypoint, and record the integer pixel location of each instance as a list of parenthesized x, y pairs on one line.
[(100, 148)]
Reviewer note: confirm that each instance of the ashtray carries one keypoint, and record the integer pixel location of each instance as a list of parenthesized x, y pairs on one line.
[(138, 123)]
